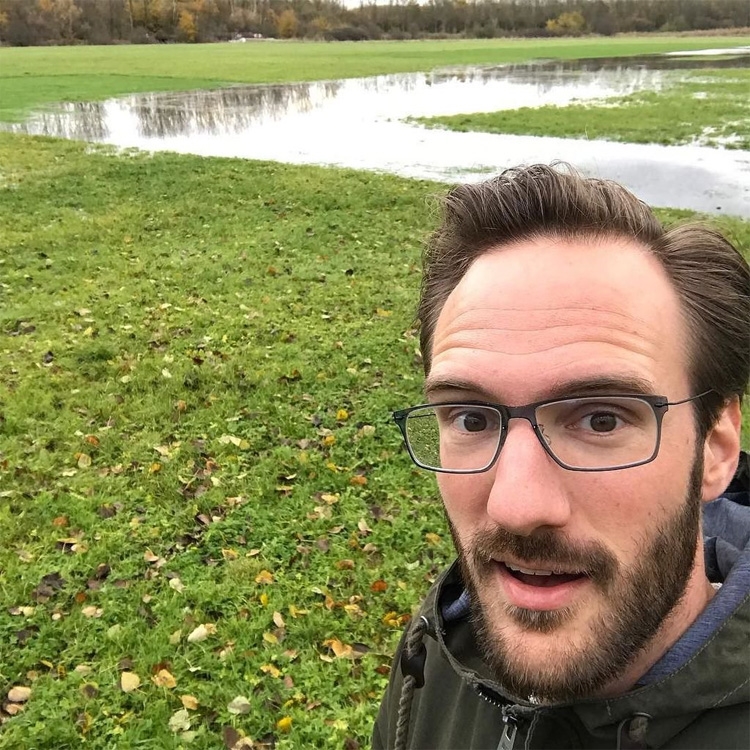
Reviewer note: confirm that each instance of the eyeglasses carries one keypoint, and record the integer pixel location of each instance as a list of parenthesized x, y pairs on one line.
[(588, 433)]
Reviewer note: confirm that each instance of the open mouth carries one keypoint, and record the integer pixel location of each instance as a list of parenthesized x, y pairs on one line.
[(540, 577)]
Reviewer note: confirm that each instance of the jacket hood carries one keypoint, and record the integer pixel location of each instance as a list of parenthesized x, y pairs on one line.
[(707, 668)]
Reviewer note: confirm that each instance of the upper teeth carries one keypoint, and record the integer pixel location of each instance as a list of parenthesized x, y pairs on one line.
[(530, 572)]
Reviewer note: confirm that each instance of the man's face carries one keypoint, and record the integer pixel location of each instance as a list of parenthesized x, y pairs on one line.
[(543, 319)]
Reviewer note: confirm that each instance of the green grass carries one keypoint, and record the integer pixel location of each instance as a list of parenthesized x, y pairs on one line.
[(36, 76), (710, 107), (199, 359)]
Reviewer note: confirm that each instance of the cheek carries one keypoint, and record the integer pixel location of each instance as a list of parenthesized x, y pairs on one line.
[(465, 498)]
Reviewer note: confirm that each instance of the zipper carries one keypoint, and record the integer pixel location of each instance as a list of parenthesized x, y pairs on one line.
[(510, 730)]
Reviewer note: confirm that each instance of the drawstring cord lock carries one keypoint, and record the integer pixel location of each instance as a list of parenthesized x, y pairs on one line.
[(631, 733)]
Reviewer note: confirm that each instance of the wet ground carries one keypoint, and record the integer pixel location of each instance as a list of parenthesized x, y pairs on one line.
[(359, 123)]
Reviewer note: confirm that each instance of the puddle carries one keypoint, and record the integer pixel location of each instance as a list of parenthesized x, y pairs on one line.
[(358, 123)]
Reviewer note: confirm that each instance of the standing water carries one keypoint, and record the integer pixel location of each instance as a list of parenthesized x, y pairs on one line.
[(360, 123)]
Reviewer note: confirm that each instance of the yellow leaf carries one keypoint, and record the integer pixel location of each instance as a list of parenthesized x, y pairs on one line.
[(329, 498), (433, 539), (284, 724), (84, 460), (329, 440), (278, 620), (129, 681), (342, 415), (263, 599), (264, 577), (154, 468), (92, 611), (358, 480), (340, 650), (270, 638), (190, 702), (271, 669), (165, 679)]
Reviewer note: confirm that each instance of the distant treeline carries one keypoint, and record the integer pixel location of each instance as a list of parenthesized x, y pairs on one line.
[(33, 22)]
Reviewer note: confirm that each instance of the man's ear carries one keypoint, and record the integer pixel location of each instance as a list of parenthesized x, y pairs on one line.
[(721, 451)]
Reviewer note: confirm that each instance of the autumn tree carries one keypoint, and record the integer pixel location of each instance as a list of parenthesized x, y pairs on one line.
[(287, 24)]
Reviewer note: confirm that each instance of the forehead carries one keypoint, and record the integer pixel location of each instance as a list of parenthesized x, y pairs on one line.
[(530, 316)]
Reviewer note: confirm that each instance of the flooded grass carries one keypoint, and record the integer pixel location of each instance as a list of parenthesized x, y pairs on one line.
[(199, 359), (708, 107), (36, 76)]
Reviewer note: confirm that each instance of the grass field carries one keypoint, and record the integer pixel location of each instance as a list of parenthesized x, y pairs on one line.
[(35, 76), (710, 107), (202, 492)]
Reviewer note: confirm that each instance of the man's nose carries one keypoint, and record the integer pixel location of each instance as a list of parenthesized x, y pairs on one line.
[(528, 491)]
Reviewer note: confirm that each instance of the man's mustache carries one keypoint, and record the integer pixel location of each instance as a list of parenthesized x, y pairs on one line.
[(546, 548)]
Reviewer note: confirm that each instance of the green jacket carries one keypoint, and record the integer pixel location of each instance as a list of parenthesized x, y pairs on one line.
[(702, 704)]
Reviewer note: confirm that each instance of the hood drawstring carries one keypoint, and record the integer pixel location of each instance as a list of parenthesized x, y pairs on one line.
[(631, 733), (413, 659)]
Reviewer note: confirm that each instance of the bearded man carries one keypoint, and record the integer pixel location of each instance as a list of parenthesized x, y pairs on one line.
[(585, 370)]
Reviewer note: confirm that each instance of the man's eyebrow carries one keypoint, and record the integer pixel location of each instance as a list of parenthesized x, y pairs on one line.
[(600, 384), (434, 386), (603, 384)]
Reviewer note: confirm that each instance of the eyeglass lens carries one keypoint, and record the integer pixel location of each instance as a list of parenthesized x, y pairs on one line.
[(584, 433)]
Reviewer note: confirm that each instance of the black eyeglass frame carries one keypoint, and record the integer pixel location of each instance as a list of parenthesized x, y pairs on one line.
[(659, 404)]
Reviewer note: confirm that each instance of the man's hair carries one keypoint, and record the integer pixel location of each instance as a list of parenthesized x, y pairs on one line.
[(710, 276)]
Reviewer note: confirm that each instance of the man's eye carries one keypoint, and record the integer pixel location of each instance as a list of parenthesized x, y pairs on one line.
[(601, 421), (471, 421)]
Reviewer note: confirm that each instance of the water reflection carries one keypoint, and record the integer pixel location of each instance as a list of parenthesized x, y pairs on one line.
[(238, 109), (359, 123)]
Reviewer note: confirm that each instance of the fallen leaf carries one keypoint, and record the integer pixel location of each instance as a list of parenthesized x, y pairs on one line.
[(284, 724), (92, 611), (190, 702), (264, 577), (201, 633), (19, 694), (342, 415), (379, 586), (432, 538), (84, 460), (175, 637), (340, 649), (270, 669), (239, 705), (60, 521), (164, 678), (179, 721), (358, 480), (25, 611), (129, 681), (177, 585), (270, 638)]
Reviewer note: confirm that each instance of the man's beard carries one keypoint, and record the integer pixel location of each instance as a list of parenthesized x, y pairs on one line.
[(640, 599)]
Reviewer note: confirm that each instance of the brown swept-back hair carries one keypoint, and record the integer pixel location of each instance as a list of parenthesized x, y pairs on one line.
[(710, 276)]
